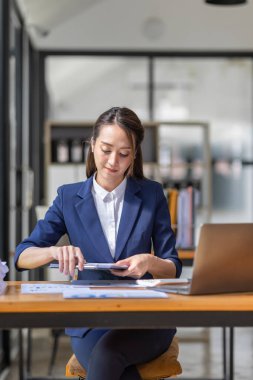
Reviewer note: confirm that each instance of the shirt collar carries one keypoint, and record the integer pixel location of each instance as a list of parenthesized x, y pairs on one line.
[(102, 193)]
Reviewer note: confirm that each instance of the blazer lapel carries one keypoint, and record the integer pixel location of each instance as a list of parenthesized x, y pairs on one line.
[(88, 215), (131, 206)]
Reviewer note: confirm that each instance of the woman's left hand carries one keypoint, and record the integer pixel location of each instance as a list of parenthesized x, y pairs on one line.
[(138, 265)]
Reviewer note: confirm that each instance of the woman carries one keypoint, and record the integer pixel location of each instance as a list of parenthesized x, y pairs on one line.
[(116, 215)]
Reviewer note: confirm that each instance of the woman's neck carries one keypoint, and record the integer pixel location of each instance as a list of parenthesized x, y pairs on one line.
[(108, 185)]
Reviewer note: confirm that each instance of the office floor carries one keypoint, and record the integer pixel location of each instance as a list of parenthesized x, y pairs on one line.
[(200, 354)]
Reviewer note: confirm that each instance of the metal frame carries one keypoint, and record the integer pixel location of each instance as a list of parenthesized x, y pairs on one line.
[(16, 29), (133, 320), (38, 114), (4, 128), (150, 53), (4, 156)]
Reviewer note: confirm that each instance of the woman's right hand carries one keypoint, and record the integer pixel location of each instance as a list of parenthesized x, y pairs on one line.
[(68, 257)]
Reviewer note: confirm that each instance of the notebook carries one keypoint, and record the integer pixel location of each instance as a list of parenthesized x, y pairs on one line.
[(223, 261)]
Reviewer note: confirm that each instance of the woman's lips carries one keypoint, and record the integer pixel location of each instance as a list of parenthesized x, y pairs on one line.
[(111, 170)]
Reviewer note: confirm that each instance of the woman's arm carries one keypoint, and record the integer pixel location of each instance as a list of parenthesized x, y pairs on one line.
[(40, 247), (163, 238), (161, 268), (165, 262), (67, 256), (34, 257), (142, 263)]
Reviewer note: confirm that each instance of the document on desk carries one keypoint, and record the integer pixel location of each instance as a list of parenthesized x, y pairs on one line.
[(81, 291), (78, 292), (39, 288), (155, 285), (53, 288)]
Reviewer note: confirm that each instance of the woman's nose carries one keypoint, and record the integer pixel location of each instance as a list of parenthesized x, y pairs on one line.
[(112, 159)]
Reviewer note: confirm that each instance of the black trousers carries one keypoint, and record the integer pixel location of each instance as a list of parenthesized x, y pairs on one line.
[(113, 354)]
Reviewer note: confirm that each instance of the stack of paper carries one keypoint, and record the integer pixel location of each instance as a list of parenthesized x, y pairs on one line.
[(119, 290), (3, 270)]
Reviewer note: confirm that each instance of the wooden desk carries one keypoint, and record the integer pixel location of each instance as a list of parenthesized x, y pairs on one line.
[(25, 310), (53, 311)]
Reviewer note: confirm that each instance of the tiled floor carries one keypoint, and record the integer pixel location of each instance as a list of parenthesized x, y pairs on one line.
[(200, 354), (203, 357)]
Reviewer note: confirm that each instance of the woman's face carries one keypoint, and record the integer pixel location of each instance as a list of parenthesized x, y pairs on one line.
[(112, 154)]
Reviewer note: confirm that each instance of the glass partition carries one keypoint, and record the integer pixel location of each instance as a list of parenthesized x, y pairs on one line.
[(218, 91), (81, 88)]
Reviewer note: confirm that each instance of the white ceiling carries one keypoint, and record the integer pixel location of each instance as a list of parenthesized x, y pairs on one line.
[(138, 25), (79, 88)]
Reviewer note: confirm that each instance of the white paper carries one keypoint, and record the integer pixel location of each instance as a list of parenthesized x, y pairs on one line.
[(43, 288), (163, 281), (111, 293), (3, 270)]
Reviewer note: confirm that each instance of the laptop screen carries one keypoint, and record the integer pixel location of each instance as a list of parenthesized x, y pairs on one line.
[(223, 260)]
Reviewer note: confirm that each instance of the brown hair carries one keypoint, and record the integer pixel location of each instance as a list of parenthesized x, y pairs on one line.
[(130, 123)]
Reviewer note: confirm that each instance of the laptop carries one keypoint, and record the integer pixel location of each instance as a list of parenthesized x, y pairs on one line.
[(223, 261)]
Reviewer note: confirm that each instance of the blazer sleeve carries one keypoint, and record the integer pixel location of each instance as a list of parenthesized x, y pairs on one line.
[(163, 237), (47, 231)]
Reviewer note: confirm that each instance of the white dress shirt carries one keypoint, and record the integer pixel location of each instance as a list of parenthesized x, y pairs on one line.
[(109, 208)]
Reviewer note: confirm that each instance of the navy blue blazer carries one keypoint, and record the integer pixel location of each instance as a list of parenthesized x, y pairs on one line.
[(144, 226)]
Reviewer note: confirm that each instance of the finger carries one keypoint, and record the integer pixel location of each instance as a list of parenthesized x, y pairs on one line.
[(60, 259), (72, 260), (119, 273), (65, 259), (123, 262), (80, 258)]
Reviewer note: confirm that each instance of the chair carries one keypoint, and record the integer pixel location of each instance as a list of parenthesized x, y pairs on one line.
[(160, 368)]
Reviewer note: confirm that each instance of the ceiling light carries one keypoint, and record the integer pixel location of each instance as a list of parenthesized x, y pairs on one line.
[(226, 2)]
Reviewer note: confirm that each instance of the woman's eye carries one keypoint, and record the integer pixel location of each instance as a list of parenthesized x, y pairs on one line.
[(106, 151), (124, 154)]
